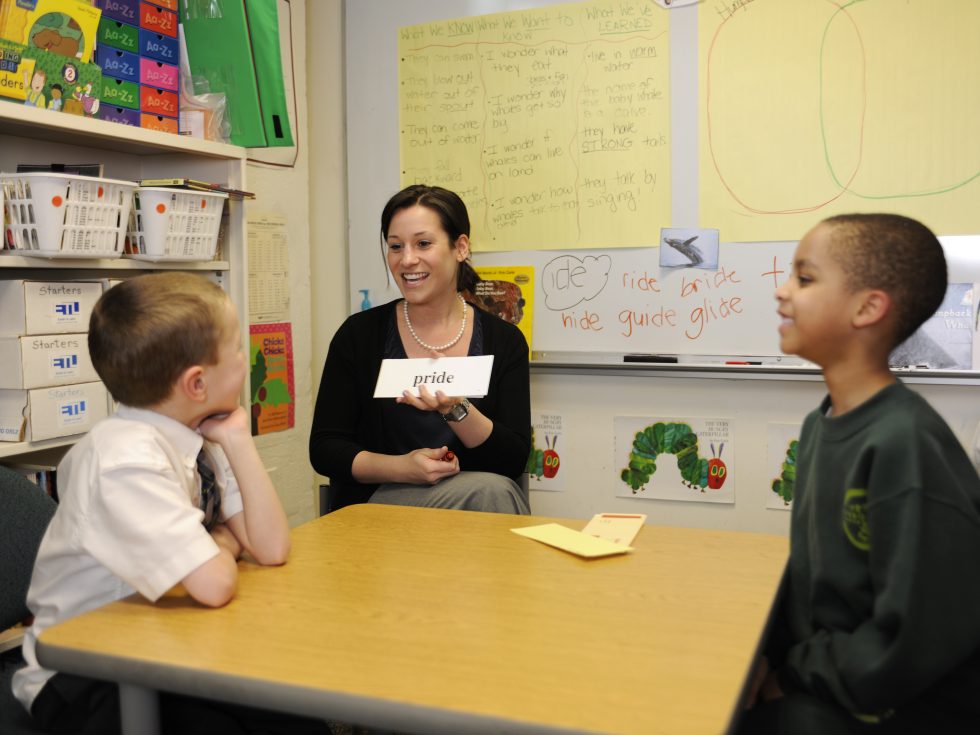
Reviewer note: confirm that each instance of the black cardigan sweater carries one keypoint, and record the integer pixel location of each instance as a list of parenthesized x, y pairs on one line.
[(348, 419)]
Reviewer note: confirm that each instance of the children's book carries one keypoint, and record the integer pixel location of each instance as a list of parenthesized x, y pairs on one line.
[(44, 79), (182, 183), (63, 27), (945, 340), (508, 292)]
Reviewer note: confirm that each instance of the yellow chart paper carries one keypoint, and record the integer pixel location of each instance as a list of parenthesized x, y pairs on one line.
[(811, 108), (552, 124)]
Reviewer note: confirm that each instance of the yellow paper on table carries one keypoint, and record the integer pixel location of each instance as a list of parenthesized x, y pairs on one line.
[(575, 542)]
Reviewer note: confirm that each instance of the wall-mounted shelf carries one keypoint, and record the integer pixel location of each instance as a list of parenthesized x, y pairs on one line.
[(46, 125), (9, 259), (31, 135)]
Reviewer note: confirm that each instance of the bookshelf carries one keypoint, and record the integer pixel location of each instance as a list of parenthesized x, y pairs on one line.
[(43, 136), (30, 135), (88, 133)]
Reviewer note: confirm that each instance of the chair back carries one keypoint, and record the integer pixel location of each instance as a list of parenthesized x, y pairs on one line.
[(524, 483), (25, 511)]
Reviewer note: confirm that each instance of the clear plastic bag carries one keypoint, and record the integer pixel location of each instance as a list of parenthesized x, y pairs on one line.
[(201, 9), (203, 113)]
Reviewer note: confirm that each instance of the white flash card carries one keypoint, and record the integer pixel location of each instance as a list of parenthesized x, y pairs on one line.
[(454, 376), (620, 528)]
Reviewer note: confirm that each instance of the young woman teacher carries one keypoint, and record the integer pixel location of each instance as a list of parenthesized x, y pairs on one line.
[(432, 449)]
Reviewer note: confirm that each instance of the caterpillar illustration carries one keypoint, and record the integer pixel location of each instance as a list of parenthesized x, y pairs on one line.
[(535, 460), (677, 439), (551, 459), (543, 463), (784, 484)]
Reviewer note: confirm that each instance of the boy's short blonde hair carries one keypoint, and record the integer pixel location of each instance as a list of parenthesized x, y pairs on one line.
[(145, 331), (897, 255)]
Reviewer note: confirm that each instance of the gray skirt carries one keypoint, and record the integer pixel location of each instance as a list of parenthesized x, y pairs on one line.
[(481, 491)]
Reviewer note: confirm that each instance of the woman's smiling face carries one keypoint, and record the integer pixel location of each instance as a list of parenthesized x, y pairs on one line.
[(421, 259)]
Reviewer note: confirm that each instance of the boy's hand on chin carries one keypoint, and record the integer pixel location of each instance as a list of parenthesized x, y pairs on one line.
[(221, 428)]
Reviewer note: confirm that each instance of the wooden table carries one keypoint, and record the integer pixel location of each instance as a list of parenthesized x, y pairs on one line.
[(437, 621)]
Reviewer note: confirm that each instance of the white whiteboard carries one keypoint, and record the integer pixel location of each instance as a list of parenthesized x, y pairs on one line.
[(638, 307), (700, 327), (623, 301)]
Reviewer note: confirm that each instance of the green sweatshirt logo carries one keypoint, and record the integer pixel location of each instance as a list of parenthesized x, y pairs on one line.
[(856, 518)]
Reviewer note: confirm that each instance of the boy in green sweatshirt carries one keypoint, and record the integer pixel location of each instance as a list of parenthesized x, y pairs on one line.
[(879, 628)]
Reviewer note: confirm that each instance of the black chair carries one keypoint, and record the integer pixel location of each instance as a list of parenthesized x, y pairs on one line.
[(329, 502), (25, 511)]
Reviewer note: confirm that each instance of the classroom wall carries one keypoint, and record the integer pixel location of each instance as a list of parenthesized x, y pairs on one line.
[(286, 191), (327, 264), (588, 402), (312, 197)]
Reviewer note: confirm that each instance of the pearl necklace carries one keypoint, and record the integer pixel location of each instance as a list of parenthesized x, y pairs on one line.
[(426, 345)]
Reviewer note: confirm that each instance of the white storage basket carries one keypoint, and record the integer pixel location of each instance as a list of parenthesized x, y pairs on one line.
[(174, 224), (65, 216)]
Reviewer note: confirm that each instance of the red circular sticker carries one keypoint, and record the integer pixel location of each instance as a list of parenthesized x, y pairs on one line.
[(161, 208)]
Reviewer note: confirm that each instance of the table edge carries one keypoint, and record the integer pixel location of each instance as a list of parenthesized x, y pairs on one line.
[(293, 699)]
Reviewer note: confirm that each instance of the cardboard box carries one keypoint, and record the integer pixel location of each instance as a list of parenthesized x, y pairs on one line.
[(47, 413), (118, 63), (120, 93), (159, 102), (158, 46), (159, 122), (119, 115), (119, 35), (153, 73), (46, 307), (158, 20), (125, 10), (41, 361)]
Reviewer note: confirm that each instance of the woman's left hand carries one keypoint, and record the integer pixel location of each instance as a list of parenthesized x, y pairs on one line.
[(473, 431), (426, 401)]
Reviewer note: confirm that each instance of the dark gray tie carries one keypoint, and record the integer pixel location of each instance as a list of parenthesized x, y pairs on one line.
[(210, 495)]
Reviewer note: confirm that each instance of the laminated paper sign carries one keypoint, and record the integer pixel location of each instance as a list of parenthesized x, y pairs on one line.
[(273, 393)]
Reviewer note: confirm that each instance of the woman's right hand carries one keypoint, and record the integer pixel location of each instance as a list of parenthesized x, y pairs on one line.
[(428, 466)]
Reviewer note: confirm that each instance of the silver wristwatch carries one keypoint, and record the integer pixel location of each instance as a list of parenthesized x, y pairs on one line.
[(458, 412)]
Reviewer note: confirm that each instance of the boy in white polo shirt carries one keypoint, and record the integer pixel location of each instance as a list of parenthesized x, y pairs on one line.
[(170, 490)]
